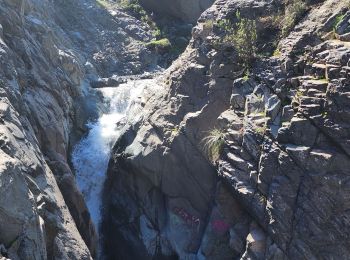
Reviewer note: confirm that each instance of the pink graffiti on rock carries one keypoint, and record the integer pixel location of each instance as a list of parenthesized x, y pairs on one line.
[(220, 226), (187, 217)]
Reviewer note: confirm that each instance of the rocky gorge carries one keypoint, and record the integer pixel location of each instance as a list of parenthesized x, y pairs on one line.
[(106, 155)]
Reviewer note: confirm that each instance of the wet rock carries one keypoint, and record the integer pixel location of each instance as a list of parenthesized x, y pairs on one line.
[(113, 81)]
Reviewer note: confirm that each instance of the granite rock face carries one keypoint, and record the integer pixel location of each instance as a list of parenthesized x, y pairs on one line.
[(39, 79), (279, 188), (45, 65)]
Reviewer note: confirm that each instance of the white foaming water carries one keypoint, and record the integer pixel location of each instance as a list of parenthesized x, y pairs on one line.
[(91, 155)]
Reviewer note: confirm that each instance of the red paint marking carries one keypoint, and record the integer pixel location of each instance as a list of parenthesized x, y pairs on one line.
[(220, 226), (187, 217)]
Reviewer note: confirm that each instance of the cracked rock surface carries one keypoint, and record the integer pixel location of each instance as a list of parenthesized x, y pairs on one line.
[(49, 51), (280, 187)]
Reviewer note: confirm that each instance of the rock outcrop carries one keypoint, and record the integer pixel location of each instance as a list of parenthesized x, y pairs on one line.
[(39, 79), (279, 188), (278, 185), (49, 51)]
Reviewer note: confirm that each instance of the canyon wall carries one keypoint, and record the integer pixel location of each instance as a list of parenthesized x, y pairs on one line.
[(279, 188), (49, 52), (40, 76)]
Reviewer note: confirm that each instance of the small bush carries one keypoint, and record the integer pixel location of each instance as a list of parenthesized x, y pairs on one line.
[(208, 25), (134, 8), (162, 44), (245, 40), (277, 53), (243, 36), (338, 21), (104, 3), (294, 11), (260, 130), (214, 143)]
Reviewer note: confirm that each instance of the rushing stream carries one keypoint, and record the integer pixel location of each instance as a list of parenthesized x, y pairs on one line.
[(91, 155)]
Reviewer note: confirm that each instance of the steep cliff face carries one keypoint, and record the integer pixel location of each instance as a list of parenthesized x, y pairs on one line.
[(278, 185), (185, 10), (278, 189), (49, 51), (39, 79)]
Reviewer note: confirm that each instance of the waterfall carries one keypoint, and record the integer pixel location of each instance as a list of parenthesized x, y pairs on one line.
[(91, 155)]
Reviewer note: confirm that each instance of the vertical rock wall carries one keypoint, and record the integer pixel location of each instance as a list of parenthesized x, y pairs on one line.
[(279, 187), (48, 52)]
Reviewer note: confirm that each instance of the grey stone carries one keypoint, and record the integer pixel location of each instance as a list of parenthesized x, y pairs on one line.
[(273, 107), (237, 101)]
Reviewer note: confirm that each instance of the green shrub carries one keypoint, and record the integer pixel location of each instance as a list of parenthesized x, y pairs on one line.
[(104, 3), (261, 130), (157, 33), (162, 44), (243, 36), (134, 8), (214, 143), (245, 39), (277, 53), (338, 20), (294, 11), (208, 24)]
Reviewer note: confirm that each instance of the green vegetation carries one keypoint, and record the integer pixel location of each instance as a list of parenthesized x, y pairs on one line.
[(161, 33), (246, 75), (173, 130), (338, 20), (258, 97), (162, 44), (208, 25), (277, 53), (297, 97), (261, 130), (104, 3), (243, 36), (294, 11), (262, 199), (135, 9), (245, 39), (214, 143)]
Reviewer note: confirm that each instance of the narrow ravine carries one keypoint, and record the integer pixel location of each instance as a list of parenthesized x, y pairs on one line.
[(91, 155)]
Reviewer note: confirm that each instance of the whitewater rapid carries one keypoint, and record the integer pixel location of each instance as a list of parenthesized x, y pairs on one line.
[(91, 155)]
